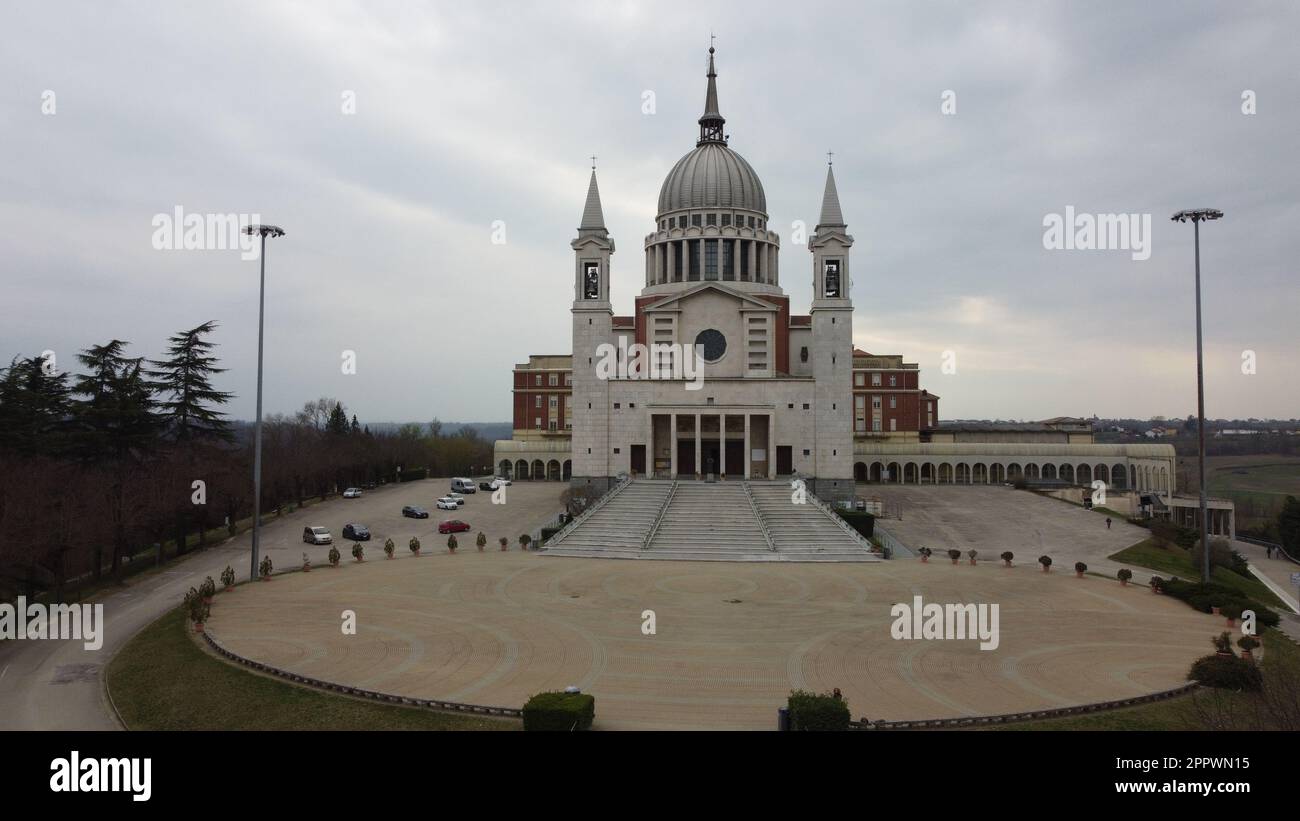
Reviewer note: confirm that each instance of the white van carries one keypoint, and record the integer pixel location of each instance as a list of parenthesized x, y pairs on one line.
[(463, 485)]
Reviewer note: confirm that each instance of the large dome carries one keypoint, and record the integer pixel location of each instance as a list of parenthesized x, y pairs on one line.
[(712, 176)]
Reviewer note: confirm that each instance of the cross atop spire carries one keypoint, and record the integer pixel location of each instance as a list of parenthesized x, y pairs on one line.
[(593, 218), (712, 121), (831, 214)]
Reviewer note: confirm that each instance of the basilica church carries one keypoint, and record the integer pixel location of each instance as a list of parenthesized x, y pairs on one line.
[(777, 393)]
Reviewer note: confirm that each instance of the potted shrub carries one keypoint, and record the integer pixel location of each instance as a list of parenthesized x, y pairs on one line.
[(358, 552), (481, 541), (1231, 612), (335, 555), (524, 540), (1007, 556), (1124, 575), (1247, 643), (1046, 562), (1079, 569), (925, 554), (955, 555), (198, 609), (505, 543), (208, 589), (1157, 584), (973, 554), (452, 544), (389, 547), (414, 544), (264, 569), (1222, 644), (228, 578)]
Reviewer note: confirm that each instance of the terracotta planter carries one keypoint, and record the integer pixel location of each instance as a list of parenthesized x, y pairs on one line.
[(972, 562), (1007, 563), (1123, 582), (954, 561), (198, 627), (1214, 610), (207, 600), (925, 559), (1232, 622), (389, 555), (1078, 574), (1047, 568), (1246, 655), (230, 589)]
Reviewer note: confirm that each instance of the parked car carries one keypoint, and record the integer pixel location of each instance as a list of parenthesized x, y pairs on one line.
[(356, 533), (316, 535), (501, 480), (462, 485), (487, 486), (352, 493), (447, 503), (453, 526), (460, 500), (413, 512)]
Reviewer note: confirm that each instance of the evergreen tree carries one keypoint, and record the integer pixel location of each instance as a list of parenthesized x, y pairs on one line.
[(185, 376), (116, 416), (356, 428), (34, 408), (338, 420)]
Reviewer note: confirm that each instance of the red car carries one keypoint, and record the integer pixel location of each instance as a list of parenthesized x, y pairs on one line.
[(453, 526)]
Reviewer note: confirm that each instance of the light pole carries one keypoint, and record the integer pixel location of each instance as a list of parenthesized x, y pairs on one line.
[(1197, 215), (264, 231)]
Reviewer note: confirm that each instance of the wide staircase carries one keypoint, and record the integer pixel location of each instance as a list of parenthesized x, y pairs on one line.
[(709, 521), (619, 526), (804, 532)]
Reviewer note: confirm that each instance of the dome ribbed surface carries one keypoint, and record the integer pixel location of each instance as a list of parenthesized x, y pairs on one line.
[(712, 176)]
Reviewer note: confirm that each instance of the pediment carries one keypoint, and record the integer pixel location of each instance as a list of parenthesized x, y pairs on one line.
[(674, 301)]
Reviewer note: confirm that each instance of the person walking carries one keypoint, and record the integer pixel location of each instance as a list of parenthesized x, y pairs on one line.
[(1108, 523)]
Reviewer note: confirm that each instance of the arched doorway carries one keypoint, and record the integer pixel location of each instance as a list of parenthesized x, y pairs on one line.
[(1049, 471), (859, 471), (521, 469), (981, 474), (1119, 475), (1031, 471), (998, 474), (1066, 472), (877, 471), (539, 469), (553, 470), (1085, 475), (895, 472), (505, 469), (945, 473), (909, 473), (568, 469), (963, 473), (927, 472)]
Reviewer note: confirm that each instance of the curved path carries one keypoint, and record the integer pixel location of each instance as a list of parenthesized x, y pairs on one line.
[(731, 639), (58, 685)]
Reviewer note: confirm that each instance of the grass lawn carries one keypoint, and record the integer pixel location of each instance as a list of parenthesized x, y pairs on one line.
[(1176, 713), (1174, 561), (164, 680)]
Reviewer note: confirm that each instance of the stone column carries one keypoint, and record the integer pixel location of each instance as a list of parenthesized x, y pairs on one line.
[(774, 265), (699, 466), (671, 270), (735, 260), (762, 264), (722, 444), (748, 468), (771, 446), (699, 258), (672, 454), (753, 261)]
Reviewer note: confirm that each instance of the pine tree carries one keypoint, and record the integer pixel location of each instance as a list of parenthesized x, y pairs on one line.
[(185, 376), (116, 417), (338, 420), (356, 428), (34, 408)]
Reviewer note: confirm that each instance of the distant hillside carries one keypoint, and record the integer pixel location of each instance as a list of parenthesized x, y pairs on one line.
[(490, 431)]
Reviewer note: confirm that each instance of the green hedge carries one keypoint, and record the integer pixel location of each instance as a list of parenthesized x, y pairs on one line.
[(548, 532), (1226, 671), (861, 521), (559, 712), (813, 712), (1204, 597)]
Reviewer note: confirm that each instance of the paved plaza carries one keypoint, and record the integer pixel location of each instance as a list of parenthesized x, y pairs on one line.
[(731, 639)]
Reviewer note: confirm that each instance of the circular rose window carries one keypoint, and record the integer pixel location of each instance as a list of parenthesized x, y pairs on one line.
[(711, 344)]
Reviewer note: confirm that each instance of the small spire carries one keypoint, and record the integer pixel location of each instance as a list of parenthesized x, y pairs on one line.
[(593, 218), (712, 121), (831, 214)]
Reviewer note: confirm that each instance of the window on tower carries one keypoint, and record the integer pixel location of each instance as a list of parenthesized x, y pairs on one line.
[(591, 281), (831, 278)]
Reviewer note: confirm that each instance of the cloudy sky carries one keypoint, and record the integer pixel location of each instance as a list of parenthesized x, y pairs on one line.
[(470, 113)]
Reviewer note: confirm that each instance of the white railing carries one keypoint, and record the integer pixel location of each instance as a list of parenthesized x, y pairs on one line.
[(835, 517), (890, 543), (586, 514), (758, 516), (659, 517)]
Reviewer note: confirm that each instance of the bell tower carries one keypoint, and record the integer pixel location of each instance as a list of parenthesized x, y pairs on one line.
[(832, 327), (593, 323)]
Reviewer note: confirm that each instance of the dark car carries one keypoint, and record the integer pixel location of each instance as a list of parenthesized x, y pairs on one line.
[(453, 526), (413, 512), (356, 533), (485, 486)]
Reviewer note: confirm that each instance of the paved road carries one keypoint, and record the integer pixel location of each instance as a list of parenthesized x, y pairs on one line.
[(58, 685)]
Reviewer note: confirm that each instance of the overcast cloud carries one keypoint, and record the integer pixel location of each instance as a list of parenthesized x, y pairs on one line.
[(467, 113)]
